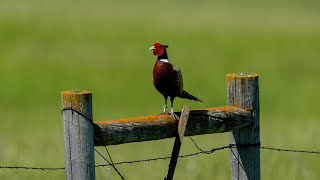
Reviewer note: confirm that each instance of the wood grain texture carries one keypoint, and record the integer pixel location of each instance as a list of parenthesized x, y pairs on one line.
[(78, 135), (243, 92), (154, 127)]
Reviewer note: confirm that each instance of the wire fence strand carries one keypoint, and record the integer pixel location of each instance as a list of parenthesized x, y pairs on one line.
[(201, 151), (289, 150)]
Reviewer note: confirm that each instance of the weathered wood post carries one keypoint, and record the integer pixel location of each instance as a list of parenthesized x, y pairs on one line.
[(78, 135), (243, 92)]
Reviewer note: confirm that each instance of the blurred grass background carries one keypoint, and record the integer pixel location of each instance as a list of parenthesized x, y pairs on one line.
[(102, 46)]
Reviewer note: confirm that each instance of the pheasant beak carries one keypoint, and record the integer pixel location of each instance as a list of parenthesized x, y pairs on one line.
[(152, 48)]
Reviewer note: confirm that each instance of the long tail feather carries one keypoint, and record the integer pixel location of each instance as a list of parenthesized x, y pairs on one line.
[(186, 95)]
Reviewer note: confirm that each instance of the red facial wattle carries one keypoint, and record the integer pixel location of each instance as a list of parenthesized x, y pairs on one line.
[(158, 51)]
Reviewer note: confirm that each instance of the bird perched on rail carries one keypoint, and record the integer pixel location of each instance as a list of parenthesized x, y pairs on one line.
[(167, 78)]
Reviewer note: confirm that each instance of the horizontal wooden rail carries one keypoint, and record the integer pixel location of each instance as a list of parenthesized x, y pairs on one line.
[(155, 127)]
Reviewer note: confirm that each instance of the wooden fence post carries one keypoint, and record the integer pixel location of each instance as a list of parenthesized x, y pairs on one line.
[(243, 92), (78, 135)]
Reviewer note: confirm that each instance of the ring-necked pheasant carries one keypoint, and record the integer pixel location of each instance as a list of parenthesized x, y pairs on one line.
[(167, 78)]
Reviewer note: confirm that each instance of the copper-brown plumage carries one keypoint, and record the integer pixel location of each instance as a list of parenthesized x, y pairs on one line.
[(167, 78)]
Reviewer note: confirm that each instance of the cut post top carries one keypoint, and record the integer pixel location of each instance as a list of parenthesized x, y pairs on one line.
[(69, 92), (242, 75), (78, 100)]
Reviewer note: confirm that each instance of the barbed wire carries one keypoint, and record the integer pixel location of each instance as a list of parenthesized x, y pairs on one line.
[(201, 151), (289, 150), (32, 168)]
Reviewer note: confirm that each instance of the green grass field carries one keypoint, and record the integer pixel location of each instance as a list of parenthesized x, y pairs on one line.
[(50, 46)]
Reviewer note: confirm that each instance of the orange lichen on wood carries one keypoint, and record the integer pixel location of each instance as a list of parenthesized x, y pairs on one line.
[(153, 127), (141, 119), (222, 108), (162, 117), (241, 75), (75, 100)]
